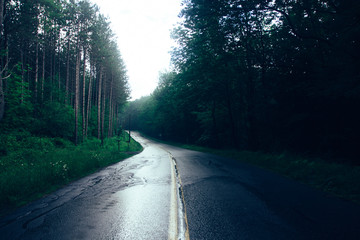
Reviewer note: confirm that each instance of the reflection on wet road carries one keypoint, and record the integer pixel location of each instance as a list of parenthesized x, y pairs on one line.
[(129, 200), (170, 193)]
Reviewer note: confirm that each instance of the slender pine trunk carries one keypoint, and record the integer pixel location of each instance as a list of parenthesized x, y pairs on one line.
[(77, 92), (110, 108), (88, 103), (43, 75), (83, 96), (22, 77), (99, 103), (36, 80), (67, 83), (51, 56), (103, 112), (2, 95), (59, 76)]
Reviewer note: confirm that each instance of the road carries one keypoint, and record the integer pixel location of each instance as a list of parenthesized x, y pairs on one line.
[(170, 193)]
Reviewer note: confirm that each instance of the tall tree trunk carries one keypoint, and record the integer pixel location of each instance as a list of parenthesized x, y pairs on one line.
[(22, 77), (117, 120), (2, 97), (113, 108), (77, 91), (2, 4), (83, 96), (59, 75), (36, 70), (2, 94), (112, 118), (2, 68), (88, 103), (103, 112), (110, 107), (43, 75), (67, 83), (51, 56), (99, 102)]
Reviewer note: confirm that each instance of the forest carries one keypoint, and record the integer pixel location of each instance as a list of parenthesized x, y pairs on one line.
[(261, 75), (63, 84), (61, 73)]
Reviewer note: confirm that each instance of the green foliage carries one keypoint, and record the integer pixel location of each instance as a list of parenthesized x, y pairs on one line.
[(261, 75), (165, 114), (44, 40), (55, 120), (18, 111), (37, 165)]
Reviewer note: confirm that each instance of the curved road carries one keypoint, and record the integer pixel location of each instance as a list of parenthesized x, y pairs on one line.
[(171, 193)]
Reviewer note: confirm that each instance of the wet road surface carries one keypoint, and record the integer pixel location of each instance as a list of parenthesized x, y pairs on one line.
[(171, 193)]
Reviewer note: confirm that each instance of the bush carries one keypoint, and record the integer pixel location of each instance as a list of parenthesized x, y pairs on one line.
[(55, 120)]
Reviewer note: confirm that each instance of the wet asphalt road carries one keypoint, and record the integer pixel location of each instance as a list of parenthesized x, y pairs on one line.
[(170, 193)]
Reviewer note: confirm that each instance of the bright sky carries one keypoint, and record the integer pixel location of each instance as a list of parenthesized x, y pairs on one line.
[(143, 32)]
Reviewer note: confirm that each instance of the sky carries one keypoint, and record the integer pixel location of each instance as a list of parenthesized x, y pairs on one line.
[(143, 30)]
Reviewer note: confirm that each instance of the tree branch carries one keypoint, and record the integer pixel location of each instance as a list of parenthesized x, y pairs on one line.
[(293, 28)]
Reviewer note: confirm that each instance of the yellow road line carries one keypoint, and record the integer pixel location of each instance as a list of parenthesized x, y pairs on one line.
[(173, 224), (177, 213), (187, 236)]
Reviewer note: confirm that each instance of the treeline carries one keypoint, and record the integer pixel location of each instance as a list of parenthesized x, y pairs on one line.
[(61, 73), (267, 75)]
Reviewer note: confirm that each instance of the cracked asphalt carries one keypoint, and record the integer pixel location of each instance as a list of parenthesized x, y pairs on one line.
[(203, 197)]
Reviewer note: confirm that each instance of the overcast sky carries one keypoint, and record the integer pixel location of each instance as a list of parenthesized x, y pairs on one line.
[(143, 32)]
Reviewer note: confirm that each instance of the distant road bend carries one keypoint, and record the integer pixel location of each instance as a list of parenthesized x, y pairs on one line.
[(170, 193)]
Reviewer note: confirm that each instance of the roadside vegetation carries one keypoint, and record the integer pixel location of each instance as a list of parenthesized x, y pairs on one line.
[(63, 87), (336, 178), (35, 166)]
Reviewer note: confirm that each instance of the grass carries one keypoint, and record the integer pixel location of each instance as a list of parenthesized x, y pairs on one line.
[(341, 180), (43, 165)]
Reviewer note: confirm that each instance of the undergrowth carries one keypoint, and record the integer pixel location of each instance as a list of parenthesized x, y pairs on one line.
[(32, 166)]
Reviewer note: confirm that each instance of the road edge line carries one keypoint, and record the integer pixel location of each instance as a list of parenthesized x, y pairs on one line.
[(187, 235), (182, 227), (173, 218)]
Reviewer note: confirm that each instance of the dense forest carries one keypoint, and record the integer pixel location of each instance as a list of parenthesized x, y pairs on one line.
[(61, 73), (261, 75)]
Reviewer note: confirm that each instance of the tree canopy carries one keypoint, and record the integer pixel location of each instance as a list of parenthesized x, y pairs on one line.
[(267, 75)]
